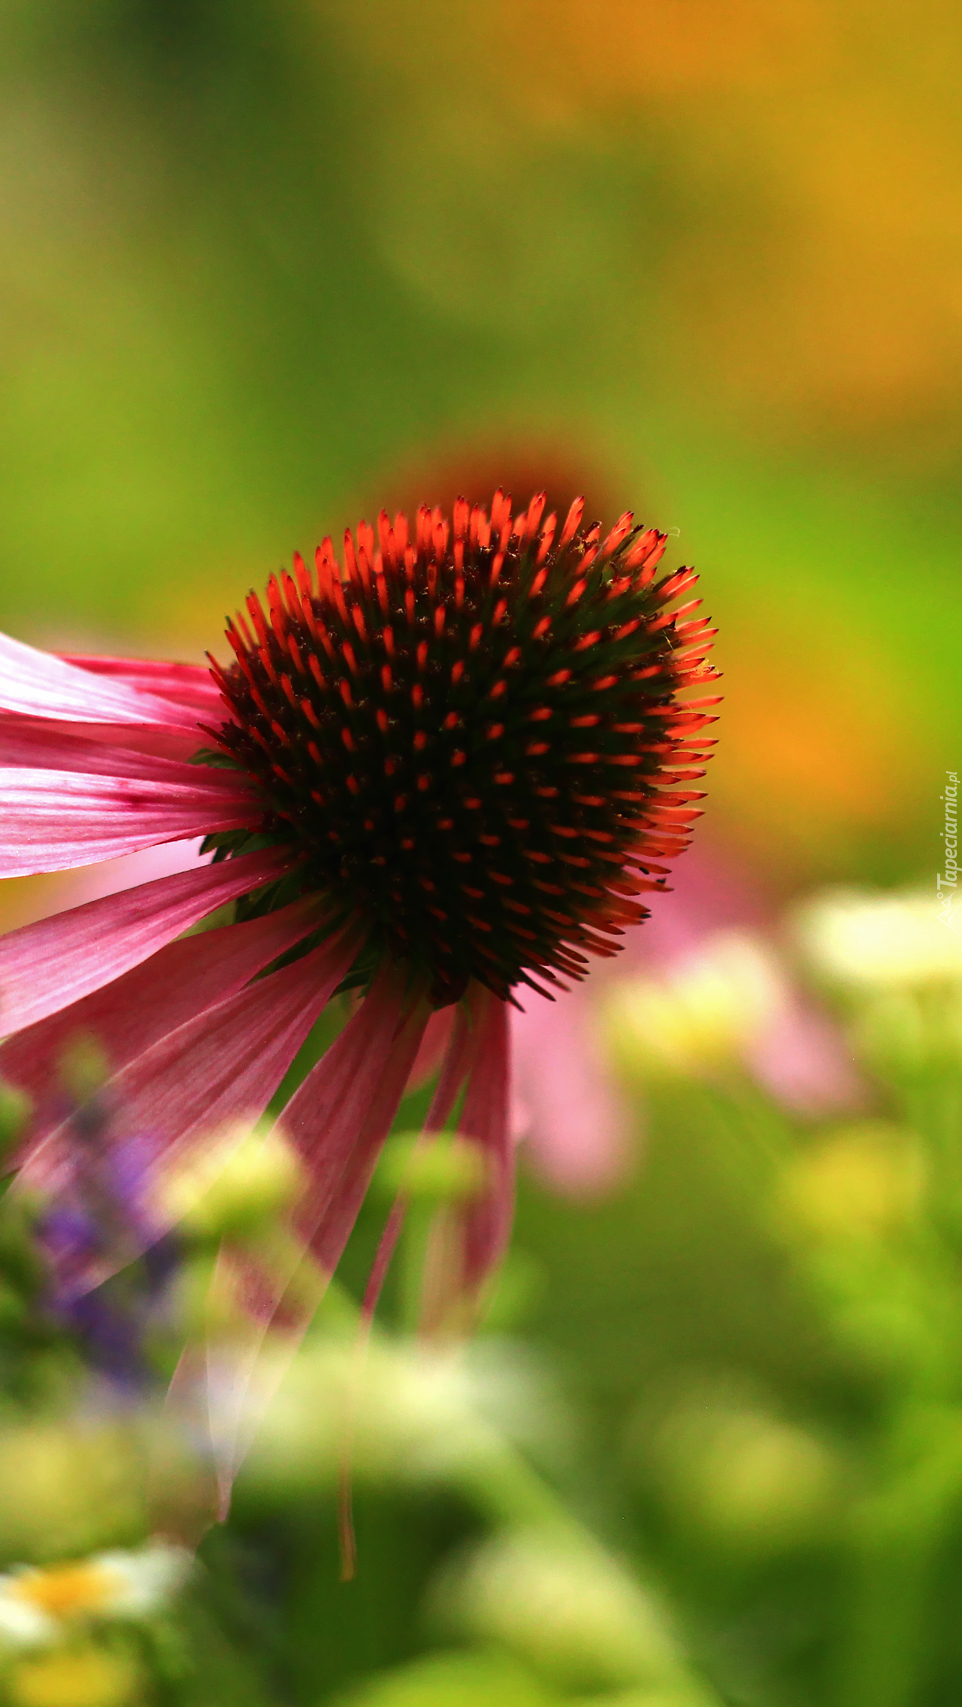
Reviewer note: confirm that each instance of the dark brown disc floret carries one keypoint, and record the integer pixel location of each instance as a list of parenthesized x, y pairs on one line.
[(475, 737)]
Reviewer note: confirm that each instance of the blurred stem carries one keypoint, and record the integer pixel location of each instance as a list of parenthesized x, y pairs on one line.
[(897, 1537), (933, 1108), (411, 1259), (490, 1472)]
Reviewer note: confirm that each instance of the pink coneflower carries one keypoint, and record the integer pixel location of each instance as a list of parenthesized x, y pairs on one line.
[(440, 774)]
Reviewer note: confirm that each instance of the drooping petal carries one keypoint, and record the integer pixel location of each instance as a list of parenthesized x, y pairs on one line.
[(457, 1041), (219, 1069), (433, 1048), (130, 1014), (485, 1119), (48, 965), (342, 1113), (468, 1238), (458, 1060), (185, 684), (269, 1300), (226, 1064), (338, 1120), (40, 684), (110, 876), (54, 820)]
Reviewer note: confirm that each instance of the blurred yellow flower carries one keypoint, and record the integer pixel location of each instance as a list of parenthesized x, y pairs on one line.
[(232, 1184), (745, 1478), (77, 1677), (67, 1488), (700, 1016), (863, 1181)]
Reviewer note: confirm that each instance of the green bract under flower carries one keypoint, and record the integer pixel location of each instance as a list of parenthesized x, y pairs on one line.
[(475, 737)]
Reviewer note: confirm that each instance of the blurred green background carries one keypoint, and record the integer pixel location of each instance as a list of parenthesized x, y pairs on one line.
[(266, 265)]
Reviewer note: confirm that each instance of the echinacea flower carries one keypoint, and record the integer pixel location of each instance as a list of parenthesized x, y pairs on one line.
[(443, 772)]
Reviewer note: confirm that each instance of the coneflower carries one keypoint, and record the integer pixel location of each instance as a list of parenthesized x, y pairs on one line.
[(444, 772)]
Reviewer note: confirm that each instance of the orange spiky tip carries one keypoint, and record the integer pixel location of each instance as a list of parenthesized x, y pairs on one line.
[(475, 736)]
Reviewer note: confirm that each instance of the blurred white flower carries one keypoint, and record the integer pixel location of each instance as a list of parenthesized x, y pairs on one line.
[(868, 940), (238, 1180), (22, 1623), (39, 1604), (411, 1412), (563, 1606)]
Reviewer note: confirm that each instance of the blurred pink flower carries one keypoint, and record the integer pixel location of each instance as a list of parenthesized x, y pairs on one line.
[(567, 1109), (578, 1134), (799, 1055)]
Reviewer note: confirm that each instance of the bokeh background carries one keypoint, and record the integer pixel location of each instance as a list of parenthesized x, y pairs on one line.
[(266, 265)]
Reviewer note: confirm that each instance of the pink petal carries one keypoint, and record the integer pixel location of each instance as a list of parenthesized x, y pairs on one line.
[(46, 966), (57, 819), (110, 876), (41, 743), (129, 1015), (339, 1119), (467, 1240), (37, 683), (706, 892), (185, 684), (220, 1068), (47, 733), (458, 1042), (487, 1220), (239, 1384), (220, 1390), (433, 1047), (226, 1064), (458, 1061), (802, 1060), (342, 1113)]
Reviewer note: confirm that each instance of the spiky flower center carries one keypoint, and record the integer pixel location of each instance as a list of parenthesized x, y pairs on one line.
[(474, 737)]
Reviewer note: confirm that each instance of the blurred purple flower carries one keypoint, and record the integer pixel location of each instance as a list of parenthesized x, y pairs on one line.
[(109, 1264)]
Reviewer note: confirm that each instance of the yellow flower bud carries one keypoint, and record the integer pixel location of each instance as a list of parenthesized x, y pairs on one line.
[(233, 1185)]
